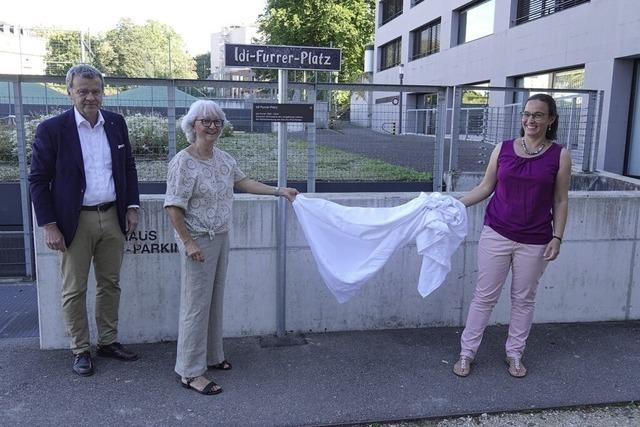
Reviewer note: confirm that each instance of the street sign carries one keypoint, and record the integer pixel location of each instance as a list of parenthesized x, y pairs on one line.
[(282, 57), (297, 113)]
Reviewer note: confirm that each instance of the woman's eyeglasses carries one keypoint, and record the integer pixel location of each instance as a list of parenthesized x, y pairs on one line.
[(534, 116), (208, 123)]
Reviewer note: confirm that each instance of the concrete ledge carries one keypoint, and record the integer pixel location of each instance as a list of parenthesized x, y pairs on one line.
[(596, 278)]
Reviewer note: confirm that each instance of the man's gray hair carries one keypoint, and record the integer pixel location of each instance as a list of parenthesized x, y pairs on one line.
[(200, 109), (83, 70)]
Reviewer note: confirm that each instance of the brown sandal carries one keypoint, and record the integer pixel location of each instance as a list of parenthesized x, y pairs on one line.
[(516, 368), (462, 368), (209, 389), (223, 366)]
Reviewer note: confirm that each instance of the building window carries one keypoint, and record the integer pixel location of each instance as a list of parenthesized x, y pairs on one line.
[(563, 79), (389, 10), (560, 79), (415, 2), (476, 96), (632, 155), (390, 54), (426, 40), (476, 21), (528, 10)]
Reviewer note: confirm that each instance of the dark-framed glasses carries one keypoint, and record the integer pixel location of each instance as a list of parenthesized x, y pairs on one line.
[(208, 123), (83, 93), (534, 116)]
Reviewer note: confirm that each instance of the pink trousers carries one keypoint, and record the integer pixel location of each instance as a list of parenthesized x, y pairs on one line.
[(496, 255)]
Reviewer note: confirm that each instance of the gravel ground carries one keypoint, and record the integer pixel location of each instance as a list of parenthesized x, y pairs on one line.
[(600, 416)]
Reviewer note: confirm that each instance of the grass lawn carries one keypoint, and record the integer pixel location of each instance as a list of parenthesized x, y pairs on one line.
[(257, 156)]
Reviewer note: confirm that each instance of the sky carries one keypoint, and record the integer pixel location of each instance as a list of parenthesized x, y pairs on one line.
[(194, 20)]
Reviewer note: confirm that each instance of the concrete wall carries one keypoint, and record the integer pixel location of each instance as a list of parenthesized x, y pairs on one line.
[(596, 278), (601, 35)]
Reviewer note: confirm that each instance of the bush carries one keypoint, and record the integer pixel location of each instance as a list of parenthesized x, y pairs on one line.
[(9, 135), (148, 135), (7, 138), (227, 130)]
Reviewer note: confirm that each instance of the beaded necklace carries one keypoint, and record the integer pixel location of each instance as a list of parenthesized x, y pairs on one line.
[(532, 153)]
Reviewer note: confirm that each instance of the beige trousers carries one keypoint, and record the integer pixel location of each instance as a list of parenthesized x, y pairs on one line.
[(201, 296), (100, 239)]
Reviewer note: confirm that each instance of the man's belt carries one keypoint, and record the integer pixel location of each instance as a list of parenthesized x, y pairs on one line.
[(102, 207)]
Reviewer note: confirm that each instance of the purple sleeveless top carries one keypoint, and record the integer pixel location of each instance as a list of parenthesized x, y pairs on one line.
[(521, 206)]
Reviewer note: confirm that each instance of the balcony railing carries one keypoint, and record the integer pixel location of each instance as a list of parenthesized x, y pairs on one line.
[(529, 10)]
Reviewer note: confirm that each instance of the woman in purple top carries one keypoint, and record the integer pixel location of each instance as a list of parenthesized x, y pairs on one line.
[(523, 227)]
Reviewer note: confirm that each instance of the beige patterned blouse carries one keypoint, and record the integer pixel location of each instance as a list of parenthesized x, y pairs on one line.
[(204, 190)]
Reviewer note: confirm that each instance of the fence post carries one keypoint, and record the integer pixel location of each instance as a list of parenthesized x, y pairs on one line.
[(596, 136), (311, 146), (24, 183), (455, 129), (588, 134), (171, 117), (438, 157), (523, 106)]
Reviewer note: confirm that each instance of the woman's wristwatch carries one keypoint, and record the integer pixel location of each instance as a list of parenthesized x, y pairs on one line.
[(276, 192), (557, 237)]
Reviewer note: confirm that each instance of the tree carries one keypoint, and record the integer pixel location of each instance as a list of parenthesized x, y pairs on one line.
[(150, 50), (203, 65), (475, 97), (345, 24), (65, 49)]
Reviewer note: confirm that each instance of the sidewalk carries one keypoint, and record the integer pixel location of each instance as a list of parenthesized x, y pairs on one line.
[(337, 378)]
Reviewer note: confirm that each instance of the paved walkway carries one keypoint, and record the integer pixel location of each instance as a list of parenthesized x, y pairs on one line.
[(412, 151), (18, 310), (336, 378)]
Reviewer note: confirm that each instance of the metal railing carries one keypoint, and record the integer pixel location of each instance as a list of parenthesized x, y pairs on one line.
[(529, 10), (354, 140)]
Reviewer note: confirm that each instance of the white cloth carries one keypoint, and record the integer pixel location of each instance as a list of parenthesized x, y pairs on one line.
[(350, 244), (96, 156)]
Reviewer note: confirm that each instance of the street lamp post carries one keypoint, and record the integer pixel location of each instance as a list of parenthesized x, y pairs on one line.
[(401, 75)]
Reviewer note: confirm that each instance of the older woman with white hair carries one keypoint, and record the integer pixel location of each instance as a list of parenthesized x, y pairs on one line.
[(199, 198)]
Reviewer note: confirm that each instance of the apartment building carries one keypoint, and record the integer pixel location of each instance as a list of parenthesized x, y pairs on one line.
[(238, 34), (561, 44)]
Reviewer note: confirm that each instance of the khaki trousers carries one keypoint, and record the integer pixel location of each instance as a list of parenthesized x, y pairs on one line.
[(100, 239), (201, 296)]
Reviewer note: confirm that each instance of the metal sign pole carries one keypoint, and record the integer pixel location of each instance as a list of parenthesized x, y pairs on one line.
[(283, 58), (281, 219)]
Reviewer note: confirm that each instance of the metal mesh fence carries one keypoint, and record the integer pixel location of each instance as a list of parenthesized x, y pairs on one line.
[(358, 135), (364, 141), (361, 133), (12, 255)]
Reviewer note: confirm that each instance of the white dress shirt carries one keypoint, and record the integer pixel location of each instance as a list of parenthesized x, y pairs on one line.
[(96, 156), (350, 244)]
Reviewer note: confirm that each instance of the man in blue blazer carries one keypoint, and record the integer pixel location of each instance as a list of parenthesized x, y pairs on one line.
[(84, 188)]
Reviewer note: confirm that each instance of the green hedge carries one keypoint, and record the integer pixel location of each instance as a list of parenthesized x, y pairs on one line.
[(148, 134)]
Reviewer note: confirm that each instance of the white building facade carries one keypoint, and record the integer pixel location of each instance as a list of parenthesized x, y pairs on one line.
[(561, 44), (236, 34), (21, 50)]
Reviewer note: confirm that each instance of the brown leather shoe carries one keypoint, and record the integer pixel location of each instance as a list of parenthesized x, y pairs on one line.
[(117, 351), (516, 368), (462, 368)]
